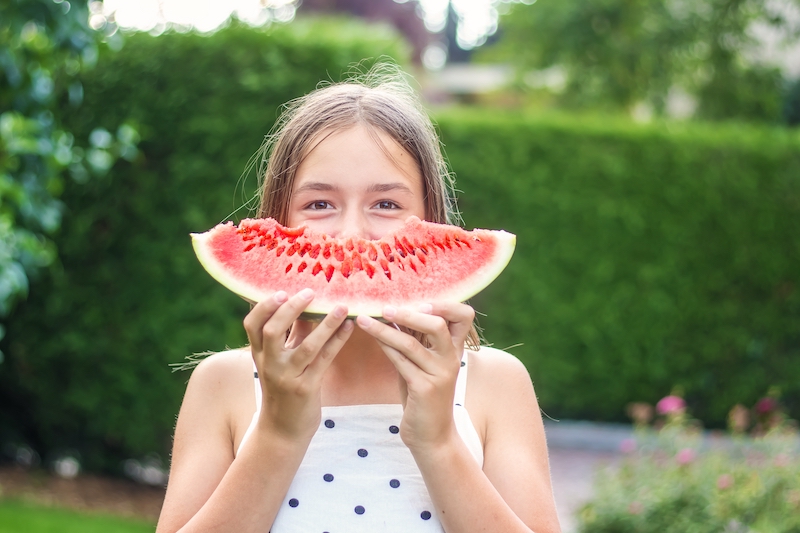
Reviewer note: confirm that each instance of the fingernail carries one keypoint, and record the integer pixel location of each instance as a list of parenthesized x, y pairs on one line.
[(425, 308), (348, 325), (280, 297), (389, 311), (339, 311), (364, 321), (306, 294)]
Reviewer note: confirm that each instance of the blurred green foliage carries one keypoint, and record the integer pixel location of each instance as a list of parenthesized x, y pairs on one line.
[(647, 257), (617, 53), (792, 107), (88, 352), (44, 45)]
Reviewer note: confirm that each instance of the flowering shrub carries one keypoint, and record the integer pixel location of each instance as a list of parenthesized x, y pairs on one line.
[(673, 478)]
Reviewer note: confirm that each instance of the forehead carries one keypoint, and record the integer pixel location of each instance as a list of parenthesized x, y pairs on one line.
[(357, 151)]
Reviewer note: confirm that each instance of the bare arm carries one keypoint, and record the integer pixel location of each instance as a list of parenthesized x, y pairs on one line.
[(209, 490), (512, 493)]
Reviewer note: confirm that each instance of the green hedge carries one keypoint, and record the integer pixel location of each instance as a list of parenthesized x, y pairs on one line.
[(649, 257), (87, 355)]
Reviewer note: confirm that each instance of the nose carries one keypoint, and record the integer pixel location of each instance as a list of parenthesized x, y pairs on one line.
[(352, 224)]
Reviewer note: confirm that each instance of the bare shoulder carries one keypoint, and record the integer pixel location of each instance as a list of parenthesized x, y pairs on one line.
[(490, 359), (206, 433), (496, 371), (499, 391), (223, 371), (221, 387)]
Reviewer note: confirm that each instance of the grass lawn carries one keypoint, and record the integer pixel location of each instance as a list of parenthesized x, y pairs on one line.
[(23, 517)]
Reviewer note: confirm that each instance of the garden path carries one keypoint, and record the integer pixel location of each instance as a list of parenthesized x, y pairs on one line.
[(577, 451)]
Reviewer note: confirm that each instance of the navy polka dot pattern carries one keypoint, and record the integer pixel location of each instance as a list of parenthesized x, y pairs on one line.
[(375, 471), (463, 363)]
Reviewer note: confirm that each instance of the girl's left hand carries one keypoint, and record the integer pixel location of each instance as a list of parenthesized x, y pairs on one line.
[(427, 375)]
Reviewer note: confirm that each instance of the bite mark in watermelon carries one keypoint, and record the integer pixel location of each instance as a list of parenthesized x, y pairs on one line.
[(420, 262)]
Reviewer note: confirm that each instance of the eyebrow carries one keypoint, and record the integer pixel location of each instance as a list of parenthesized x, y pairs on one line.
[(375, 187)]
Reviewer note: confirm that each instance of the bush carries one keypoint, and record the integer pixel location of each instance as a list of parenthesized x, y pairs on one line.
[(675, 482), (88, 353), (647, 256)]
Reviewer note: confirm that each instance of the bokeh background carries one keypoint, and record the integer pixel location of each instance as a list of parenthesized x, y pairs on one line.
[(645, 152)]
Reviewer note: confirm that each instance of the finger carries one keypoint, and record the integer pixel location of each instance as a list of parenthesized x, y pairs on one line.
[(279, 323), (460, 318), (258, 316), (406, 369), (434, 327), (404, 343), (310, 347), (300, 330), (330, 349)]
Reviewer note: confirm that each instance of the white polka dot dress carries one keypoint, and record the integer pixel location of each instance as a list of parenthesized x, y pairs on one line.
[(357, 475)]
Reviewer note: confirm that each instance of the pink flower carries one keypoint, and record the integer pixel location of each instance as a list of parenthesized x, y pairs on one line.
[(782, 460), (670, 404), (635, 508), (766, 405), (685, 456), (627, 446), (725, 481)]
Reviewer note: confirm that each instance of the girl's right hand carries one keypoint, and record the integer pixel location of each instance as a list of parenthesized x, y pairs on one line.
[(291, 371)]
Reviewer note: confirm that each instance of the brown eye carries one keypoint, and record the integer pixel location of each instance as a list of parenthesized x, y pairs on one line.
[(319, 205), (386, 204)]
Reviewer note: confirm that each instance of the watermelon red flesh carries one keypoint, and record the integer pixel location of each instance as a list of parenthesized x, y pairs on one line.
[(421, 262)]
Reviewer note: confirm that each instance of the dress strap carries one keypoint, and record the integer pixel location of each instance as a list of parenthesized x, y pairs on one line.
[(461, 381)]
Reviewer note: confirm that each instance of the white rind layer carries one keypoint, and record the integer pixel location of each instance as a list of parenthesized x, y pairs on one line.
[(458, 291)]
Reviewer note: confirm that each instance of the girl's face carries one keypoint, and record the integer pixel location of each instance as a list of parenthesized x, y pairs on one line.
[(348, 186)]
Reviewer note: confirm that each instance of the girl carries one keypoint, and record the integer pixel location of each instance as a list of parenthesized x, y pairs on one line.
[(358, 425)]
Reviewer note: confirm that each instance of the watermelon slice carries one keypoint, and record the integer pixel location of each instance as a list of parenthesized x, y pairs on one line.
[(420, 262)]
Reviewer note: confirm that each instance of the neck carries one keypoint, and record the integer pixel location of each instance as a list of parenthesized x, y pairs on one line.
[(361, 374)]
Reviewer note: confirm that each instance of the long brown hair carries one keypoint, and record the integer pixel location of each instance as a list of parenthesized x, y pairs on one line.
[(380, 99)]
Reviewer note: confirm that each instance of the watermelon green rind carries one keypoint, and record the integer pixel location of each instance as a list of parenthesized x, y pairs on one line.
[(432, 284), (217, 270)]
